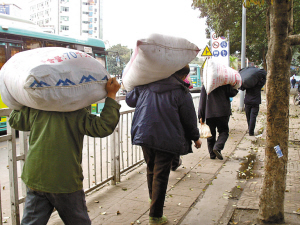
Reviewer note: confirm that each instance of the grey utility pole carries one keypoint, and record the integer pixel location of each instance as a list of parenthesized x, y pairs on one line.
[(243, 53)]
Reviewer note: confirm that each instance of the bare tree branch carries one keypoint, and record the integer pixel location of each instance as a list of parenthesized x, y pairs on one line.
[(294, 39)]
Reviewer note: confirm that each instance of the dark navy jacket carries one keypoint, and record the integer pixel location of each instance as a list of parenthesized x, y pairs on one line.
[(165, 117)]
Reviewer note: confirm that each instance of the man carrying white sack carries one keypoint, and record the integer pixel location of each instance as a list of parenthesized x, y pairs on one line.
[(215, 109), (164, 124), (52, 170)]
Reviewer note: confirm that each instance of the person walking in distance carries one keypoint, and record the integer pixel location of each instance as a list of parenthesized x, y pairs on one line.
[(253, 100), (52, 170), (293, 82), (164, 125), (215, 109)]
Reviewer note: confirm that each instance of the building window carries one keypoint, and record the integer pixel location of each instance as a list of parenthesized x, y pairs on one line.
[(64, 9), (85, 31), (64, 18), (85, 22), (95, 11), (62, 27), (85, 13), (90, 13), (95, 28), (90, 8), (95, 20), (40, 23)]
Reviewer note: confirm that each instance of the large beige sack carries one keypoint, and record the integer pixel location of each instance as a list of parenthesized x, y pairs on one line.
[(156, 58), (52, 79), (216, 74)]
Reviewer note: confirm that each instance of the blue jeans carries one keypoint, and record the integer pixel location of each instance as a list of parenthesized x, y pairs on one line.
[(71, 208)]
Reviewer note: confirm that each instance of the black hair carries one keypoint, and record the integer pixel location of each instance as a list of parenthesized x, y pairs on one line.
[(183, 72)]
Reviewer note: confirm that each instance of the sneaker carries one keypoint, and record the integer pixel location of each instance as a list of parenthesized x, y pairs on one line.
[(218, 154), (212, 157), (176, 167), (158, 220)]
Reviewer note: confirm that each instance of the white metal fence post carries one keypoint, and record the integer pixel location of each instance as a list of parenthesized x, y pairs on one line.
[(117, 153), (115, 156), (13, 176), (23, 139), (0, 206)]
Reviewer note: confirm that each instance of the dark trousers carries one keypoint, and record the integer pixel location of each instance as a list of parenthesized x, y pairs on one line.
[(39, 206), (175, 161), (221, 124), (158, 171), (251, 114)]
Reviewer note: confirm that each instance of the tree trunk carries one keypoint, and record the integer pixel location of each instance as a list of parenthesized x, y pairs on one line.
[(271, 206)]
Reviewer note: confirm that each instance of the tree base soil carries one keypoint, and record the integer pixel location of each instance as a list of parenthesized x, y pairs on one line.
[(250, 217)]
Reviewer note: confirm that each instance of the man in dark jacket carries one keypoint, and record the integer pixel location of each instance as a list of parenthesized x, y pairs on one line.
[(252, 101), (164, 124), (216, 109)]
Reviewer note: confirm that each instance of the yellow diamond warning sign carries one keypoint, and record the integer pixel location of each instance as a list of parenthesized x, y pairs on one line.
[(206, 52)]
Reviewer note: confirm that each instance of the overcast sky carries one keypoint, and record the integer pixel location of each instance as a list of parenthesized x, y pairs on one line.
[(126, 21)]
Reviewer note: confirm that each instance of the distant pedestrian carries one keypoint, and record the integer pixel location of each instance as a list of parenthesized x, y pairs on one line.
[(52, 170), (164, 124), (253, 100), (215, 109), (293, 82)]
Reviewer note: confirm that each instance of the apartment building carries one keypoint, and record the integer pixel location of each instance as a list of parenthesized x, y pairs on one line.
[(68, 17), (10, 9)]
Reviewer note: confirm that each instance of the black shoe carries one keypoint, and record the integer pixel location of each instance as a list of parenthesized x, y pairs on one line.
[(218, 154), (251, 134), (176, 167), (212, 156)]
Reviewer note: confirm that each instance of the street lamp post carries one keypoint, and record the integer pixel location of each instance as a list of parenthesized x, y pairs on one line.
[(243, 52)]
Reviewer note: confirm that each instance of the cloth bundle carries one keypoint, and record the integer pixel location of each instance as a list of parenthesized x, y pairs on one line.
[(251, 76), (52, 79), (157, 58)]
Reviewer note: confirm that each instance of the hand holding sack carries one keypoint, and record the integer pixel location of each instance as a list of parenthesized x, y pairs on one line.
[(216, 74), (157, 58), (52, 79)]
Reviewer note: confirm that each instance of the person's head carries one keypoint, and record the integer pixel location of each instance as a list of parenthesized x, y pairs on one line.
[(182, 73)]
